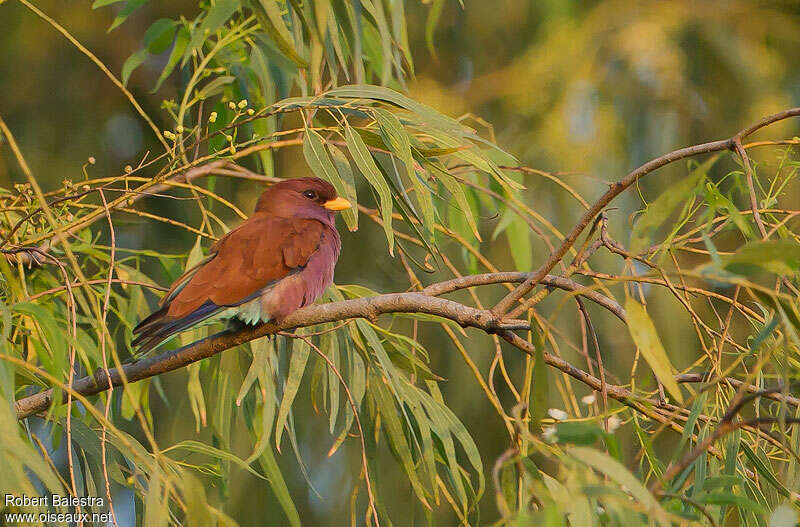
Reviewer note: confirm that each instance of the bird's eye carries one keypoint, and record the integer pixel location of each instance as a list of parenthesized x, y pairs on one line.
[(310, 194)]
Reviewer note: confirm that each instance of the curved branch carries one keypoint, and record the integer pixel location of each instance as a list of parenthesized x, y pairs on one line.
[(369, 307), (617, 188)]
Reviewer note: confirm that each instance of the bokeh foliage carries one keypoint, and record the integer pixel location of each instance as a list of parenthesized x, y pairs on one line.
[(264, 87)]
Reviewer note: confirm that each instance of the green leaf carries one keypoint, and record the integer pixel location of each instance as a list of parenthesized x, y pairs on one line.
[(398, 141), (456, 190), (181, 41), (644, 335), (519, 241), (363, 160), (133, 62), (102, 3), (208, 450), (321, 164), (430, 24), (274, 25), (125, 12), (380, 93), (541, 385), (618, 473), (348, 186), (216, 16), (297, 365), (215, 86), (781, 257), (660, 209), (393, 428), (159, 35), (728, 498), (278, 484), (764, 470)]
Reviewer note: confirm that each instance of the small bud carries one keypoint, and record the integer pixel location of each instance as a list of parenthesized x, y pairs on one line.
[(92, 160), (250, 111), (179, 129), (229, 138), (558, 415), (130, 202), (85, 187), (213, 117), (169, 135), (128, 169), (233, 149), (232, 105), (588, 399), (243, 104)]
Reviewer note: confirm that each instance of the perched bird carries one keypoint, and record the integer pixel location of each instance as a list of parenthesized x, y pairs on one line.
[(277, 261)]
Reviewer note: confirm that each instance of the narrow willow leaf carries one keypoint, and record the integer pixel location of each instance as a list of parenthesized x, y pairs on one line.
[(216, 16), (274, 25), (519, 241), (380, 93), (297, 365), (660, 209), (156, 509), (265, 348), (394, 430), (257, 366), (688, 428), (348, 184), (780, 305), (781, 257), (430, 24), (194, 495), (329, 344), (376, 10), (133, 62), (644, 335), (181, 41), (365, 163), (194, 389), (216, 453), (159, 35), (398, 141), (764, 470), (541, 386), (728, 498), (457, 192), (102, 3), (321, 164), (19, 456), (618, 473), (215, 86), (125, 12)]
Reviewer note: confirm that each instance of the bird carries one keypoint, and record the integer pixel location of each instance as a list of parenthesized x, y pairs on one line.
[(278, 260)]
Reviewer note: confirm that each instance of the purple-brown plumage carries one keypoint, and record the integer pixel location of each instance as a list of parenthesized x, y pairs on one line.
[(279, 260)]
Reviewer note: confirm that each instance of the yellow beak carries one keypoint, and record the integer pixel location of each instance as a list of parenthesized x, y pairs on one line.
[(337, 204)]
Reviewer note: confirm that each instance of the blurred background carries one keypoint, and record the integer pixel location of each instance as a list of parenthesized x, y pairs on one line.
[(586, 89)]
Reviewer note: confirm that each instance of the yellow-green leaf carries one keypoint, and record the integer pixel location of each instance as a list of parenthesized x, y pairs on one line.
[(644, 335)]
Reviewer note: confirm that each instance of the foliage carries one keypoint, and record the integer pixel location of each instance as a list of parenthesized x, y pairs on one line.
[(326, 79)]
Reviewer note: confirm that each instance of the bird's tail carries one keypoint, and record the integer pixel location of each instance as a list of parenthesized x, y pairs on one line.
[(160, 327)]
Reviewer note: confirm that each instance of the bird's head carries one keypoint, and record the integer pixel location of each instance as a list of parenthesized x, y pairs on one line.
[(302, 198)]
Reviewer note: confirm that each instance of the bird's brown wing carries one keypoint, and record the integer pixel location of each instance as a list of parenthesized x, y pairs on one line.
[(260, 252)]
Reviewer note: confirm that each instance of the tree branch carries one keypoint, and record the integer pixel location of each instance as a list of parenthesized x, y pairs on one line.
[(616, 189)]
